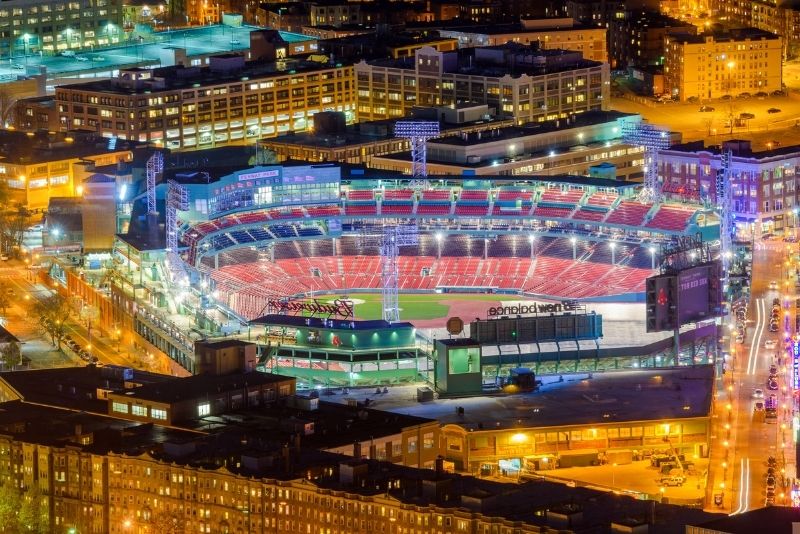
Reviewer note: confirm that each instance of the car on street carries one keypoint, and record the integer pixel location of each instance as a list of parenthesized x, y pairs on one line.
[(761, 94), (706, 109), (746, 116), (81, 58), (740, 339), (772, 384), (770, 344), (759, 406), (772, 111), (773, 285), (773, 327), (673, 480), (758, 393)]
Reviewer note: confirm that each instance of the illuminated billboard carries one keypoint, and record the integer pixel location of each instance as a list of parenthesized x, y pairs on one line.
[(686, 296)]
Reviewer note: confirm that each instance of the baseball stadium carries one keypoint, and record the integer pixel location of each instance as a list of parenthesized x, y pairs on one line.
[(247, 239)]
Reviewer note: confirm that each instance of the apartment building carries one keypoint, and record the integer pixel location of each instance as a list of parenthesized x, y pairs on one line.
[(590, 41), (782, 18), (564, 147), (745, 60), (765, 194), (525, 82), (270, 469), (638, 38), (227, 102), (39, 166), (34, 26)]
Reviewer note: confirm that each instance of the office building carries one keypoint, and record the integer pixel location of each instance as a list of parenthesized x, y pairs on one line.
[(227, 102), (524, 82), (710, 65), (590, 41), (42, 26)]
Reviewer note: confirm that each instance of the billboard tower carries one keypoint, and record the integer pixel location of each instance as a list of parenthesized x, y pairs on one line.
[(651, 139)]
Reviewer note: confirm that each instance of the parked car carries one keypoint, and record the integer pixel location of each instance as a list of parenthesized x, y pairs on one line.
[(758, 393), (772, 384), (773, 110), (770, 344), (706, 109)]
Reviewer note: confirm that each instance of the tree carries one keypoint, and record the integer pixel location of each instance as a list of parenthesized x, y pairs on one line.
[(33, 514), (10, 354), (166, 522), (5, 299), (9, 507), (52, 314)]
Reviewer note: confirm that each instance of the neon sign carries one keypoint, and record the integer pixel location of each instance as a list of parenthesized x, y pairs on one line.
[(341, 308), (796, 363)]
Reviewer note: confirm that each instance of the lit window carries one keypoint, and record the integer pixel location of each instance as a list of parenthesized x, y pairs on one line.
[(156, 413), (119, 407), (139, 411), (203, 409)]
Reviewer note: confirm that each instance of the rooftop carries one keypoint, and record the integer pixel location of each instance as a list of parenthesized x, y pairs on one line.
[(75, 388), (772, 519), (30, 148), (510, 59), (730, 35), (366, 132), (180, 77), (605, 397), (499, 29), (318, 322), (581, 120), (190, 387), (6, 336)]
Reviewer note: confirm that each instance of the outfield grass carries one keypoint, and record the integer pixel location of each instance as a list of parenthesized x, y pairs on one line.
[(416, 306)]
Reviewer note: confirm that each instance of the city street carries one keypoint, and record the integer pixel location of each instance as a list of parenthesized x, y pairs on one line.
[(750, 436), (37, 346)]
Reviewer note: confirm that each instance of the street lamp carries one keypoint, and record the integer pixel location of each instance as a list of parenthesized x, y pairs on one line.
[(613, 247), (25, 38), (574, 241), (532, 241)]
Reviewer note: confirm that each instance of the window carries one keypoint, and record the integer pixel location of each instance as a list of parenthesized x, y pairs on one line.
[(139, 411), (157, 413), (412, 445), (203, 409), (427, 441), (119, 407)]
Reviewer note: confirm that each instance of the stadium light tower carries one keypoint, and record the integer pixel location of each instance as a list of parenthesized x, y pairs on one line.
[(155, 166), (390, 239), (651, 139), (724, 202), (418, 133), (177, 199)]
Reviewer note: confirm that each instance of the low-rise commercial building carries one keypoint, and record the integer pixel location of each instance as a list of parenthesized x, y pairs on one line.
[(39, 166), (359, 143), (527, 83), (710, 65), (228, 102), (565, 146)]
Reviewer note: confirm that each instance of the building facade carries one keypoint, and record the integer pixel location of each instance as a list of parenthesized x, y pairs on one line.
[(560, 84), (33, 26), (229, 102), (712, 66), (638, 39), (765, 191)]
